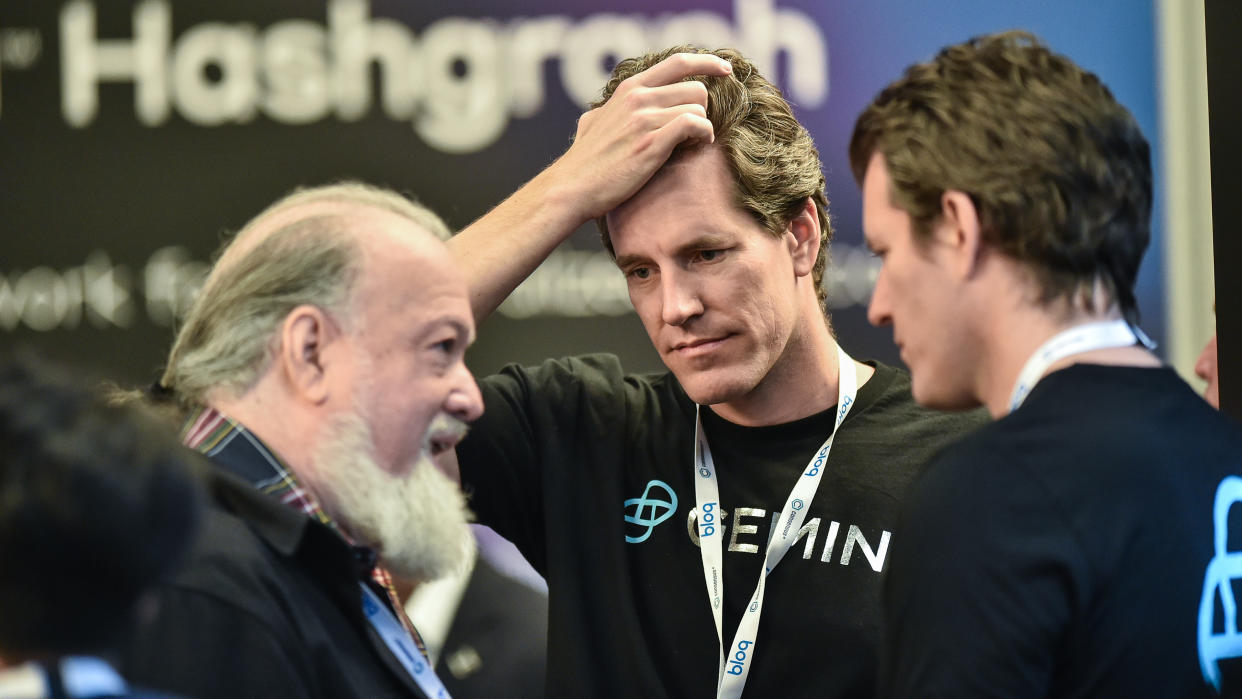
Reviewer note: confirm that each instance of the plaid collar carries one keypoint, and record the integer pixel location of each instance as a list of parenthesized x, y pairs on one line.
[(229, 444)]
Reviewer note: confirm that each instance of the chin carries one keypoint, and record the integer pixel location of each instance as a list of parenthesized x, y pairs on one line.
[(709, 388), (942, 397)]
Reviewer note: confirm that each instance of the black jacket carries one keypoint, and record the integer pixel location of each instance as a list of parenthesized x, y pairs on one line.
[(268, 605)]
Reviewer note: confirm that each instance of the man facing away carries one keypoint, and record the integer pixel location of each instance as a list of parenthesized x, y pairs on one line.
[(1081, 544), (322, 370), (654, 504)]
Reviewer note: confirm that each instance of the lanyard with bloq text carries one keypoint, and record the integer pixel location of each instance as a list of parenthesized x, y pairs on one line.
[(401, 645), (1082, 338), (735, 667)]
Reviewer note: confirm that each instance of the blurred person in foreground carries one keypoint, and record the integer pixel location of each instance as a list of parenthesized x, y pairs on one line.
[(321, 370), (656, 546), (1081, 544), (97, 504)]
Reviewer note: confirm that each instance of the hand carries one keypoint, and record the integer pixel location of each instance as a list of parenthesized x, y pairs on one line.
[(620, 145)]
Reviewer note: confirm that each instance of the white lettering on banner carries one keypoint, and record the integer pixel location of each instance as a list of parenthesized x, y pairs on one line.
[(458, 83), (570, 283), (854, 537), (44, 299)]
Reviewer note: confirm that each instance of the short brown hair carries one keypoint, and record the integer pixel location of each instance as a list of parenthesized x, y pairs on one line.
[(1058, 170), (774, 162)]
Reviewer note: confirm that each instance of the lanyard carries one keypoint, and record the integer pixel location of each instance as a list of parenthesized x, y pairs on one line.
[(735, 666), (401, 645), (1082, 338)]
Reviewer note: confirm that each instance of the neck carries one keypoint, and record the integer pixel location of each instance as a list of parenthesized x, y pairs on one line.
[(1021, 334), (282, 428), (803, 382)]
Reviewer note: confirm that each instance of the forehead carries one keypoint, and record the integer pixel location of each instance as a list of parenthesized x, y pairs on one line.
[(879, 211), (407, 275), (694, 191)]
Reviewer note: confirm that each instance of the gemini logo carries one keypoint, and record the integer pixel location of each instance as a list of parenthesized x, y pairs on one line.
[(650, 509), (1224, 568)]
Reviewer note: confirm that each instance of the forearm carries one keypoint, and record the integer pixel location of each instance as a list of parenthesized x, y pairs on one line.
[(502, 248)]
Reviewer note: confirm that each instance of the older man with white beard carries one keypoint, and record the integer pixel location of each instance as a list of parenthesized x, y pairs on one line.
[(322, 378)]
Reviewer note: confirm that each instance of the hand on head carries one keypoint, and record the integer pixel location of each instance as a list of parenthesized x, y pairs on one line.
[(621, 144)]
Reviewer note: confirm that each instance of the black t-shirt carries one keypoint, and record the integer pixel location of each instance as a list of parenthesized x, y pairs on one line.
[(590, 472), (1062, 550)]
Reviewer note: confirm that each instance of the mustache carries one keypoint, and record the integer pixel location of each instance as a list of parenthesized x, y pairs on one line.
[(444, 430)]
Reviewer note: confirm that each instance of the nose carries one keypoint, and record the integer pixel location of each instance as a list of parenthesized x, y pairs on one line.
[(464, 401), (879, 311), (679, 298)]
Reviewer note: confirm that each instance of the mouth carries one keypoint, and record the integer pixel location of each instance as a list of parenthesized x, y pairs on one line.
[(698, 347), (445, 436)]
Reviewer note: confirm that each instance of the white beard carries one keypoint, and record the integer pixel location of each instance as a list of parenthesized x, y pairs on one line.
[(417, 523)]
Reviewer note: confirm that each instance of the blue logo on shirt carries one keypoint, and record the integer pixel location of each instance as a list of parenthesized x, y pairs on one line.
[(650, 509), (1225, 567)]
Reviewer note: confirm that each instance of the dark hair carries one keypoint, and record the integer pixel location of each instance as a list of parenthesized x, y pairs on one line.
[(96, 504), (1058, 170), (774, 162)]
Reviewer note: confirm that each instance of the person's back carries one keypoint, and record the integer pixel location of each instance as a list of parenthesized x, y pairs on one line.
[(1085, 503), (1078, 546)]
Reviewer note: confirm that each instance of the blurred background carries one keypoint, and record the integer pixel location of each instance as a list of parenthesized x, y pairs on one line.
[(135, 135)]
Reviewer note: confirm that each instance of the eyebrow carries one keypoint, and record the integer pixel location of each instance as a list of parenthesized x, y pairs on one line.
[(702, 242)]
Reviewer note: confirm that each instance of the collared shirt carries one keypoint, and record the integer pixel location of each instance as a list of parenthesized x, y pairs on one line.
[(230, 444)]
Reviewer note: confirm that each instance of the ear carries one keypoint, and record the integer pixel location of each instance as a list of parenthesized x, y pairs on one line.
[(305, 338), (959, 232), (804, 244)]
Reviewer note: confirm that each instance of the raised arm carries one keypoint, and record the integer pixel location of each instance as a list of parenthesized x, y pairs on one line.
[(617, 148)]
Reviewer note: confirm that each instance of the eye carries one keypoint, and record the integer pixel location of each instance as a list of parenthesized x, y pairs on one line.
[(710, 255), (639, 273), (446, 346)]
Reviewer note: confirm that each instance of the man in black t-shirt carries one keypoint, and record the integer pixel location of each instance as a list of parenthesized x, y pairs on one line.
[(1082, 544), (659, 507)]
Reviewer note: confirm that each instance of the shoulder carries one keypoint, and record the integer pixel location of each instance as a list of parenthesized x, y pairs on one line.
[(887, 411)]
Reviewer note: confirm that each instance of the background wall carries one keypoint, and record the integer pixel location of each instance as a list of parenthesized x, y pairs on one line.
[(133, 135)]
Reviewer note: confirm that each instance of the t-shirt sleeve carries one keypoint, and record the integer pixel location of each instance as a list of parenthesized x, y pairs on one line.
[(533, 419), (984, 576)]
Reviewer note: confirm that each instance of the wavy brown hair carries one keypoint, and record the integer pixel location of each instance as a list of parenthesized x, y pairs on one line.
[(1057, 169), (774, 162)]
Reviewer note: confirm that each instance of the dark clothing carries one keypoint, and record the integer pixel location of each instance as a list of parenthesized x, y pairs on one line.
[(1061, 551), (497, 644), (268, 605), (590, 472)]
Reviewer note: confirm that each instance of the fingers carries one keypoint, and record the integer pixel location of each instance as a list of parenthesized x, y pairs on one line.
[(682, 65), (685, 124), (678, 93)]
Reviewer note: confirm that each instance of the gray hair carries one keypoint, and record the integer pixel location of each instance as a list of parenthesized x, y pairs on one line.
[(226, 341)]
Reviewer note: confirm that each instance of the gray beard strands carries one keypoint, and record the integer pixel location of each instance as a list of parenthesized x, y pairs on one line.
[(416, 522)]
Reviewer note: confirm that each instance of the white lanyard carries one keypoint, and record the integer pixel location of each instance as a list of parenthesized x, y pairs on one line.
[(401, 645), (735, 667), (1082, 338)]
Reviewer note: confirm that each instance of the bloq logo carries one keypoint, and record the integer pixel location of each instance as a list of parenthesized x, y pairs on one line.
[(737, 663), (707, 520), (818, 463)]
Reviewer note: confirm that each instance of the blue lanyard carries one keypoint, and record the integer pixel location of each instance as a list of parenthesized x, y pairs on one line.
[(401, 645)]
